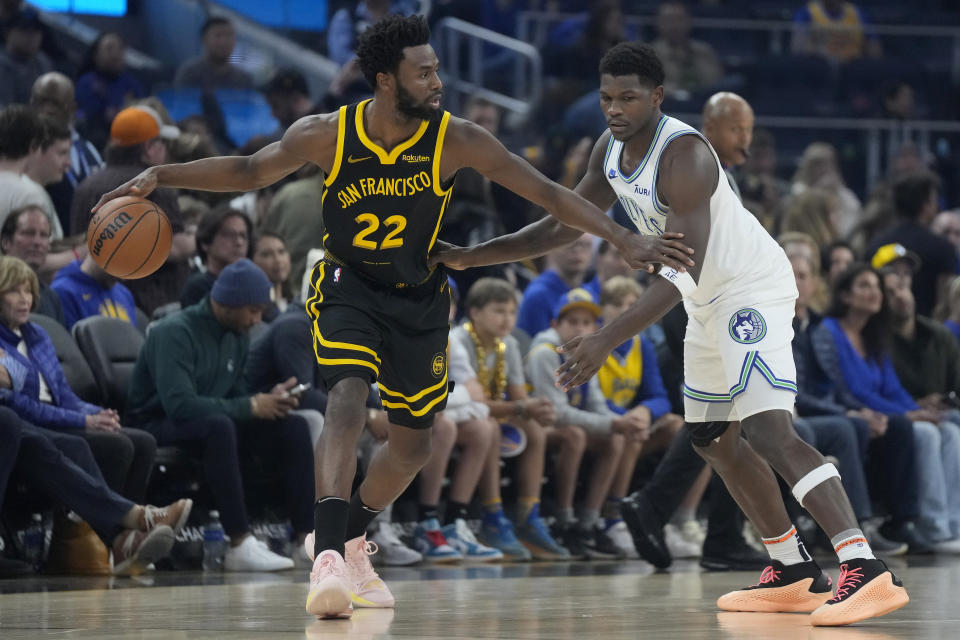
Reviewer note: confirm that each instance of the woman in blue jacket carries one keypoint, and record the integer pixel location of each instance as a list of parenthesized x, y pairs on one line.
[(42, 396)]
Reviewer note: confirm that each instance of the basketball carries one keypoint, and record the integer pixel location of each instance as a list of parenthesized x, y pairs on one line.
[(129, 237)]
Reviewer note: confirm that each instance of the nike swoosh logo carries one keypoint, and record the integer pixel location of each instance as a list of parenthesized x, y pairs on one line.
[(353, 160)]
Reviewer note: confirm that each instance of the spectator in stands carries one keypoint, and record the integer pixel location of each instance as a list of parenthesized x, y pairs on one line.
[(104, 86), (212, 69), (947, 225), (288, 95), (818, 169), (813, 212), (26, 235), (825, 422), (760, 188), (834, 29), (728, 125), (836, 258), (87, 290), (915, 200), (952, 308), (576, 45), (188, 386), (295, 214), (43, 397), (50, 159), (567, 269), (857, 334), (586, 422), (223, 237), (61, 467), (20, 131), (690, 65), (270, 254), (349, 22), (52, 97), (21, 60), (491, 306)]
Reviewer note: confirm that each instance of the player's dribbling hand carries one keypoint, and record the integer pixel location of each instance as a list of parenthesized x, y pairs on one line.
[(449, 255), (141, 185), (585, 355), (645, 252)]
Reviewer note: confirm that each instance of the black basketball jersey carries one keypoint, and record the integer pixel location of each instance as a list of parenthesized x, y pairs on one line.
[(382, 211)]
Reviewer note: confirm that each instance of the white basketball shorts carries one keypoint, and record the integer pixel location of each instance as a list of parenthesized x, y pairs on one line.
[(738, 358)]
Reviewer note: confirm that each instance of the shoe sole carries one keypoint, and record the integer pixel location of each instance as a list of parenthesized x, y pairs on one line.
[(359, 602), (157, 544), (332, 602), (543, 555), (646, 543), (874, 599), (791, 598)]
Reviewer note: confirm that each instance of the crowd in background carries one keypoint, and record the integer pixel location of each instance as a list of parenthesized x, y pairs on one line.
[(220, 334)]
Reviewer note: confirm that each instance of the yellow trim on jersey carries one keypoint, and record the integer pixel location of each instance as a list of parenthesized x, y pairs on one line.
[(436, 230), (437, 152), (386, 158), (418, 412), (312, 303), (416, 397), (338, 158)]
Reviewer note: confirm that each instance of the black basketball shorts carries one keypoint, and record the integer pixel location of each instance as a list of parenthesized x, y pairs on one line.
[(395, 336)]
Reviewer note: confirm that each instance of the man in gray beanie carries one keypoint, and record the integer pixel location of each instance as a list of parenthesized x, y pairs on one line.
[(188, 386)]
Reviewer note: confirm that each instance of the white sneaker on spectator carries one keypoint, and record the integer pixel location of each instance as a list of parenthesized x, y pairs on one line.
[(693, 531), (393, 553), (620, 536), (947, 546), (254, 555), (679, 546)]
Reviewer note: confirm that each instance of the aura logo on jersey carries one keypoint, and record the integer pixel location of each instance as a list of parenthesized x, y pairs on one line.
[(747, 326)]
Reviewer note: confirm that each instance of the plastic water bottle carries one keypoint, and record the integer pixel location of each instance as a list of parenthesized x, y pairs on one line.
[(214, 543), (33, 542)]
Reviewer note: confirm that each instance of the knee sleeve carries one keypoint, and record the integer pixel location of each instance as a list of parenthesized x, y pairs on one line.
[(703, 433), (813, 479)]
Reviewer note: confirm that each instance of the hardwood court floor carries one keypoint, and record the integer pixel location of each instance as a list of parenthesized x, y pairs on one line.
[(606, 601)]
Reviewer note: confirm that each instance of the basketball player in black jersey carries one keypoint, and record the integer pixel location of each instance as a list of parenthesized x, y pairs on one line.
[(379, 311)]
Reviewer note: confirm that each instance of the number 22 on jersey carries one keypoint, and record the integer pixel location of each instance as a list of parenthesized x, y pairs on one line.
[(370, 222)]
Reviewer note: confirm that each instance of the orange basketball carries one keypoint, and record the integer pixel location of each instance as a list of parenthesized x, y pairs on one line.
[(129, 237)]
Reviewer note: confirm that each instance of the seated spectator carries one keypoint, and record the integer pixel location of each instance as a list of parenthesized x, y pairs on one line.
[(212, 69), (347, 23), (270, 254), (837, 258), (859, 330), (690, 65), (819, 169), (47, 165), (20, 131), (576, 45), (52, 97), (26, 235), (223, 237), (915, 200), (87, 290), (761, 189), (604, 433), (288, 95), (42, 396), (947, 225), (834, 29), (491, 306), (104, 86), (21, 60), (295, 214), (814, 213), (61, 467), (188, 387), (952, 309), (567, 269)]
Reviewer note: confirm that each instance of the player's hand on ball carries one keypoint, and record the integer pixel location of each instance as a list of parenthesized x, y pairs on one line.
[(141, 185), (644, 252), (450, 255), (585, 355)]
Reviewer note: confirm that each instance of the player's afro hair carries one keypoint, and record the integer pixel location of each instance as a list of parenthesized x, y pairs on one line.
[(633, 58), (380, 48)]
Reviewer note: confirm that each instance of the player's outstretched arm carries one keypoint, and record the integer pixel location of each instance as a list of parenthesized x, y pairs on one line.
[(688, 178), (312, 138), (571, 212)]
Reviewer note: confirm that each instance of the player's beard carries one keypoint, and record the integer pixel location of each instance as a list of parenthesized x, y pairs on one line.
[(408, 106)]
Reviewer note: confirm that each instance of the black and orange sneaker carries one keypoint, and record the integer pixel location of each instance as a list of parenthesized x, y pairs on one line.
[(782, 589), (866, 589)]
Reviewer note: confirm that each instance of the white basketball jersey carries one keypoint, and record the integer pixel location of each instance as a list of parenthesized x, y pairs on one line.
[(739, 250)]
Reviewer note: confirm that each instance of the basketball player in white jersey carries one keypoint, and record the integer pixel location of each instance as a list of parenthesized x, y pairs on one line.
[(738, 371)]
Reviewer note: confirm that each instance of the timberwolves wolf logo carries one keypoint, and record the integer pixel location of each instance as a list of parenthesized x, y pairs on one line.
[(747, 326)]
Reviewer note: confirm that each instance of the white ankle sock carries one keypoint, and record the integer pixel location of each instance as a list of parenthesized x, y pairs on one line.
[(851, 544), (787, 548)]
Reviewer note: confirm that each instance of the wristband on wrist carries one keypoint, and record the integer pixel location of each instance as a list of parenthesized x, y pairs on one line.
[(680, 279)]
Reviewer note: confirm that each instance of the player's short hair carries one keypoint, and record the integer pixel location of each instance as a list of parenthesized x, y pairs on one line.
[(912, 190), (617, 288), (380, 47), (19, 129), (633, 58), (487, 290)]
